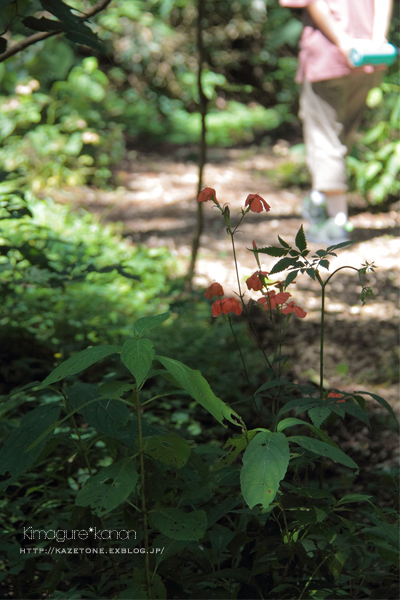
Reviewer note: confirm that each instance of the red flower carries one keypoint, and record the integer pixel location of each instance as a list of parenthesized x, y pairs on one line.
[(208, 194), (292, 307), (254, 282), (272, 299), (336, 395), (215, 289), (257, 203), (226, 306)]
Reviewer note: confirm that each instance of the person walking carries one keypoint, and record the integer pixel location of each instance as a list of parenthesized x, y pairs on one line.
[(333, 100)]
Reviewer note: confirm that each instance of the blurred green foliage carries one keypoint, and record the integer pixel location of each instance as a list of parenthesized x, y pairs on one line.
[(375, 162)]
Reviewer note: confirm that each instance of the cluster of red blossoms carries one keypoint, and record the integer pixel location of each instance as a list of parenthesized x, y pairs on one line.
[(224, 305), (271, 299), (253, 201)]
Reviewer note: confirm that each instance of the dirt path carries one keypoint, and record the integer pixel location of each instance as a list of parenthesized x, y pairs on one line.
[(156, 205)]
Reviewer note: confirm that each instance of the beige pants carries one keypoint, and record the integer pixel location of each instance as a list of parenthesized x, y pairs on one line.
[(331, 111)]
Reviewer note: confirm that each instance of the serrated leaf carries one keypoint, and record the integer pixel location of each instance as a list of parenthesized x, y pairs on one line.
[(337, 246), (194, 383), (324, 449), (14, 458), (300, 240), (272, 251), (177, 524), (282, 265), (79, 362), (382, 402), (109, 487), (319, 414), (281, 241), (146, 323), (137, 356), (321, 253), (265, 463), (169, 449), (311, 273), (324, 263), (291, 277)]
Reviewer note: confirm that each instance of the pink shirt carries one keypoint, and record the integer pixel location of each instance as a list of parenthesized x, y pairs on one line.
[(319, 58)]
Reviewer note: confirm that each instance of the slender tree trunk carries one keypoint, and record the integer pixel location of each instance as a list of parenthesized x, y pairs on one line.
[(202, 145)]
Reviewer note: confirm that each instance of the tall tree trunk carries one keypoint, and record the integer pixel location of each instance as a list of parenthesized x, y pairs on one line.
[(202, 145)]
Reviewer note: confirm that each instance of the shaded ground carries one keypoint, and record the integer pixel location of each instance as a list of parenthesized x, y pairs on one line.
[(155, 205)]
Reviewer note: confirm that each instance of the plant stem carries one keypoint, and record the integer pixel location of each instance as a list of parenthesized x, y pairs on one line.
[(143, 494), (244, 365)]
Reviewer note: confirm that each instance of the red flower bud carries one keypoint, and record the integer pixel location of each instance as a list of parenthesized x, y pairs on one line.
[(256, 203), (254, 282), (215, 289), (207, 194)]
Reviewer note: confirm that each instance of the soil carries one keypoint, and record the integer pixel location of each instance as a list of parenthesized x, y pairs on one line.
[(155, 203)]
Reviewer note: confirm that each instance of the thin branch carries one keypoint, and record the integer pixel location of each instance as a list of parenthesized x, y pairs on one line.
[(42, 35)]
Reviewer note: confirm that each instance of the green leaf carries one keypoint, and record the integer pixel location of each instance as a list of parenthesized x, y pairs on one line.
[(283, 243), (271, 384), (300, 240), (311, 273), (178, 524), (265, 463), (109, 487), (220, 537), (282, 265), (337, 246), (324, 263), (147, 323), (291, 421), (273, 251), (299, 404), (354, 498), (170, 449), (382, 402), (137, 356), (106, 416), (194, 383), (323, 449), (4, 3), (85, 38), (79, 362), (60, 10), (14, 458), (235, 445), (43, 24), (290, 277), (319, 414)]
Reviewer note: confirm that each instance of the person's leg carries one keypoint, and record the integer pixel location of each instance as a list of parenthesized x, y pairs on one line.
[(321, 105), (331, 112)]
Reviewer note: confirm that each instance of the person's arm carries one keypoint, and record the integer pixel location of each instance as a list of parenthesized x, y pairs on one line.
[(321, 14), (382, 14)]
